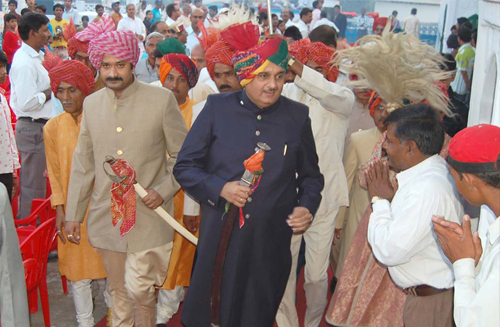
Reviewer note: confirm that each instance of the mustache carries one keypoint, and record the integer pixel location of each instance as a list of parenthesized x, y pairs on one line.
[(111, 79), (224, 87), (67, 102), (274, 89)]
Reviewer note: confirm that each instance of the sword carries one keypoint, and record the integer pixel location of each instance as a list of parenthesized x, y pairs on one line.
[(160, 211), (247, 179)]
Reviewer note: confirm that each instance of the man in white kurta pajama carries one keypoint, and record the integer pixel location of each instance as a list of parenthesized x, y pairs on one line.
[(330, 107)]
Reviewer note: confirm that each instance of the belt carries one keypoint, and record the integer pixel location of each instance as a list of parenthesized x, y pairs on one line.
[(424, 290), (40, 120)]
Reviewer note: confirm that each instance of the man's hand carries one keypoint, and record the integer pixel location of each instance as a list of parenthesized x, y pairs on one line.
[(15, 186), (377, 177), (60, 220), (73, 231), (48, 94), (337, 234), (235, 193), (191, 223), (457, 241), (153, 200), (300, 219)]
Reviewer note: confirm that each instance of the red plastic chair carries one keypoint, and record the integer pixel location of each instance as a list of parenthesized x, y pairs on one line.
[(37, 246), (41, 209)]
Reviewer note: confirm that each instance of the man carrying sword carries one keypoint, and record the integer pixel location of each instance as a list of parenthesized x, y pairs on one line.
[(133, 241), (241, 272)]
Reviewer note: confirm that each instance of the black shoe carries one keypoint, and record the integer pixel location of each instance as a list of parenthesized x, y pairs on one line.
[(161, 325)]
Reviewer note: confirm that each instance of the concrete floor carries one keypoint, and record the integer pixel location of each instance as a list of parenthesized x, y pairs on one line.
[(62, 309)]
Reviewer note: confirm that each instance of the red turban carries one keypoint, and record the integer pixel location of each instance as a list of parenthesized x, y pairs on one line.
[(183, 64), (220, 52), (320, 54), (75, 45), (74, 73), (120, 44), (295, 46), (379, 21), (476, 150)]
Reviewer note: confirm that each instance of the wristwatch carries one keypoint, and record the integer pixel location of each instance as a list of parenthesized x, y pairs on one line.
[(375, 199), (291, 61)]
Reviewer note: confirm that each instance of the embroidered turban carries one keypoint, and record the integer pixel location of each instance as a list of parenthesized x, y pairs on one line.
[(320, 54), (120, 44), (74, 73), (220, 52), (476, 150), (80, 41), (248, 64), (183, 64), (379, 21)]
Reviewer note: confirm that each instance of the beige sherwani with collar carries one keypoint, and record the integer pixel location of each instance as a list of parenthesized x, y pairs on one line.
[(145, 127)]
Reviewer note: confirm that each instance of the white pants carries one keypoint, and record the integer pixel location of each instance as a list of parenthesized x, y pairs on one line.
[(84, 293), (318, 238), (168, 304)]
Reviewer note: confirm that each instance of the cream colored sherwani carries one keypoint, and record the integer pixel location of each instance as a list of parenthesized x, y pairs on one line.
[(330, 107), (142, 127), (358, 152)]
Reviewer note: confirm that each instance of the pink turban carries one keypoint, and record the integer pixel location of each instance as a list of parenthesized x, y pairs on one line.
[(120, 44), (74, 73), (80, 41)]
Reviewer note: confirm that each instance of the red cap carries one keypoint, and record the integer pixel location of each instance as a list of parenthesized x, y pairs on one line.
[(476, 149)]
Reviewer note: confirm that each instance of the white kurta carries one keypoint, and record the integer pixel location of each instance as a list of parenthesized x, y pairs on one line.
[(330, 107), (135, 25), (476, 296)]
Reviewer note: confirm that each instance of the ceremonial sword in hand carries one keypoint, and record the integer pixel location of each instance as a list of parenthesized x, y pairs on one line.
[(160, 211)]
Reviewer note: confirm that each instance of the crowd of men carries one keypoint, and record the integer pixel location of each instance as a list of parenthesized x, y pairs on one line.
[(274, 143)]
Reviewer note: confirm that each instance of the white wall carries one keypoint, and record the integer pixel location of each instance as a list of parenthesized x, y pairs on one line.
[(485, 97), (427, 13)]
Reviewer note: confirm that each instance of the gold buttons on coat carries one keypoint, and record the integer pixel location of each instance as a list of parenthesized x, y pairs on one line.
[(119, 152), (115, 106), (119, 129)]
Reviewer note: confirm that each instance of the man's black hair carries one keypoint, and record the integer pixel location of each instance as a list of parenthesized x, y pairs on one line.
[(262, 17), (324, 14), (452, 42), (85, 18), (492, 178), (449, 64), (324, 34), (13, 2), (336, 6), (154, 26), (25, 11), (453, 27), (148, 11), (10, 17), (57, 5), (419, 123), (465, 33), (462, 20), (293, 32), (305, 12), (274, 15), (414, 11), (31, 22), (315, 4), (196, 1), (395, 13), (214, 8), (3, 58), (98, 7), (170, 9)]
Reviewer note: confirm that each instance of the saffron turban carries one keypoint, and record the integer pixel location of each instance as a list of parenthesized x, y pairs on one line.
[(379, 21), (183, 64), (220, 52), (74, 73), (120, 44), (248, 64), (476, 150), (320, 54)]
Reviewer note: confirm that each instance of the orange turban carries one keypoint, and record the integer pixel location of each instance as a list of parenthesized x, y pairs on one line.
[(379, 21), (183, 64), (320, 54)]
